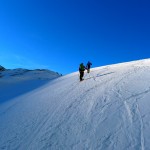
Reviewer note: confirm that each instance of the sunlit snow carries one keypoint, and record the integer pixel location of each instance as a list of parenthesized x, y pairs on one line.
[(109, 110)]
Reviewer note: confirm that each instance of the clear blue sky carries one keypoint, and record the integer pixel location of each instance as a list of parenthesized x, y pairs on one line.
[(60, 34)]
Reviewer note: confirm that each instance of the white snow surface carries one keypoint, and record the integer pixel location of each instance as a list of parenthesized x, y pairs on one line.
[(109, 110)]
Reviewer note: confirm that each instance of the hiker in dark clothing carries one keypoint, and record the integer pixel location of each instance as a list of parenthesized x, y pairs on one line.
[(88, 66), (81, 70)]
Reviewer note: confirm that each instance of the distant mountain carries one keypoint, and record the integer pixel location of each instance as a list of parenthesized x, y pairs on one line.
[(15, 82), (27, 74), (2, 68)]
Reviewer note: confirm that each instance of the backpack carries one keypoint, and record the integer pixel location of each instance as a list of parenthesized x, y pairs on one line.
[(81, 68)]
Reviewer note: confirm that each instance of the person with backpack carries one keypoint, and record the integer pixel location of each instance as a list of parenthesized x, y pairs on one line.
[(81, 71), (88, 66)]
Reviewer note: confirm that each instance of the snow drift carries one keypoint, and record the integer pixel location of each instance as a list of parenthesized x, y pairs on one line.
[(109, 110)]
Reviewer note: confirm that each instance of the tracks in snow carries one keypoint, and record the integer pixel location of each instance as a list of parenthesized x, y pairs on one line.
[(133, 121)]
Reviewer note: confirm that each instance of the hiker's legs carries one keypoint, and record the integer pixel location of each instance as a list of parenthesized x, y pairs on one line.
[(88, 70), (81, 75)]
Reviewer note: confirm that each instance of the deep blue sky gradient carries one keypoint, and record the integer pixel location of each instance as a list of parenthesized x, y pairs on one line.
[(60, 34)]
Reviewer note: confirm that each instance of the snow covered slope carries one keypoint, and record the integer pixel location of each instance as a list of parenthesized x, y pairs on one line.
[(109, 110)]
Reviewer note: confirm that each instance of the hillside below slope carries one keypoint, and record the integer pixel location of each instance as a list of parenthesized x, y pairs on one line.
[(109, 110), (15, 82)]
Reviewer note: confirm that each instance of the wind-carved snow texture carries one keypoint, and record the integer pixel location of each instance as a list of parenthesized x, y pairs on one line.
[(109, 110)]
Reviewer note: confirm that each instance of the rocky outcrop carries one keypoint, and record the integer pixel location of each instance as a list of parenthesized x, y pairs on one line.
[(2, 68)]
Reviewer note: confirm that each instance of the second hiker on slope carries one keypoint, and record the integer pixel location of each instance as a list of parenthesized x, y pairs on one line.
[(88, 66)]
